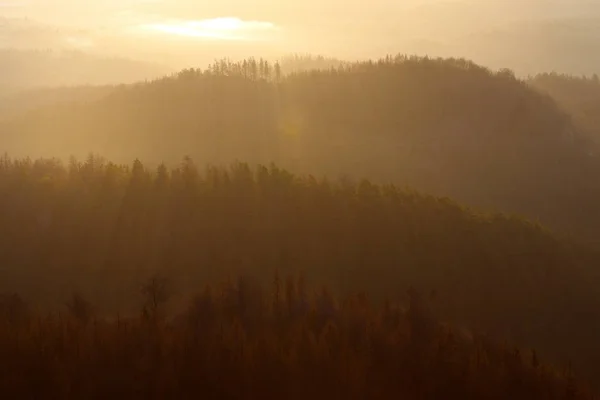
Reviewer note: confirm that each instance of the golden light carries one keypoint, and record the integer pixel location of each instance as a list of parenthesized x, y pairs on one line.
[(225, 28)]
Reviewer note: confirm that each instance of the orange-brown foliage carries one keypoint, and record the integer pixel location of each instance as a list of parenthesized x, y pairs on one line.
[(238, 343), (100, 230)]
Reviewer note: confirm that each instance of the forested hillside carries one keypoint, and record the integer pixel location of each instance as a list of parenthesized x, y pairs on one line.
[(15, 100), (102, 229), (579, 96), (239, 341), (448, 127)]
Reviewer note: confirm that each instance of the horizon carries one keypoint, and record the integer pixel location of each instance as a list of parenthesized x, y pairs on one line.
[(182, 33)]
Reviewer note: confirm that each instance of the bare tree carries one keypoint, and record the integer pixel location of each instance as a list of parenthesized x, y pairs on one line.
[(13, 309), (156, 292), (80, 308)]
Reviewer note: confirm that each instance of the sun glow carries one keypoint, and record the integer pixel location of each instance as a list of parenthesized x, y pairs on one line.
[(226, 28)]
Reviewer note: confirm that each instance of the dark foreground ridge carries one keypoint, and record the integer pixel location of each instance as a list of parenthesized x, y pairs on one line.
[(237, 341)]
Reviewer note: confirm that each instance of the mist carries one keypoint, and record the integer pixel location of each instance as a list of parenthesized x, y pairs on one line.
[(299, 199), (522, 36)]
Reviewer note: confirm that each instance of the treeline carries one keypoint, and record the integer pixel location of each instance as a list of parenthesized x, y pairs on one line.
[(448, 127), (15, 100), (295, 63), (101, 229), (238, 341)]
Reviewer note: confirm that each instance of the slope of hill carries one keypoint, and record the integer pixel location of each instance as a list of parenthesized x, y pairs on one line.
[(448, 127), (16, 102), (580, 96), (26, 69), (101, 229)]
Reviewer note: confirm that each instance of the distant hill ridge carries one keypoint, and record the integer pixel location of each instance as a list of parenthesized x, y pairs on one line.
[(25, 69), (445, 126)]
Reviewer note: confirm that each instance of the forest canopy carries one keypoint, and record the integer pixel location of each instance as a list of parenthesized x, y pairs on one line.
[(84, 242), (444, 126), (102, 229)]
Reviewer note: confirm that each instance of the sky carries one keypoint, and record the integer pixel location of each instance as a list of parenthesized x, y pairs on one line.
[(181, 32), (151, 28)]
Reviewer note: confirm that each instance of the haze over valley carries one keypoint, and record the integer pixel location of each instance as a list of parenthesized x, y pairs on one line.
[(300, 199)]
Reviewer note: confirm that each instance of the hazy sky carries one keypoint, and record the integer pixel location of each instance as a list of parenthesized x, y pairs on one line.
[(177, 31)]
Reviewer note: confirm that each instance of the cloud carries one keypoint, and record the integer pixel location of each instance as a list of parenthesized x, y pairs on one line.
[(12, 4), (221, 28)]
